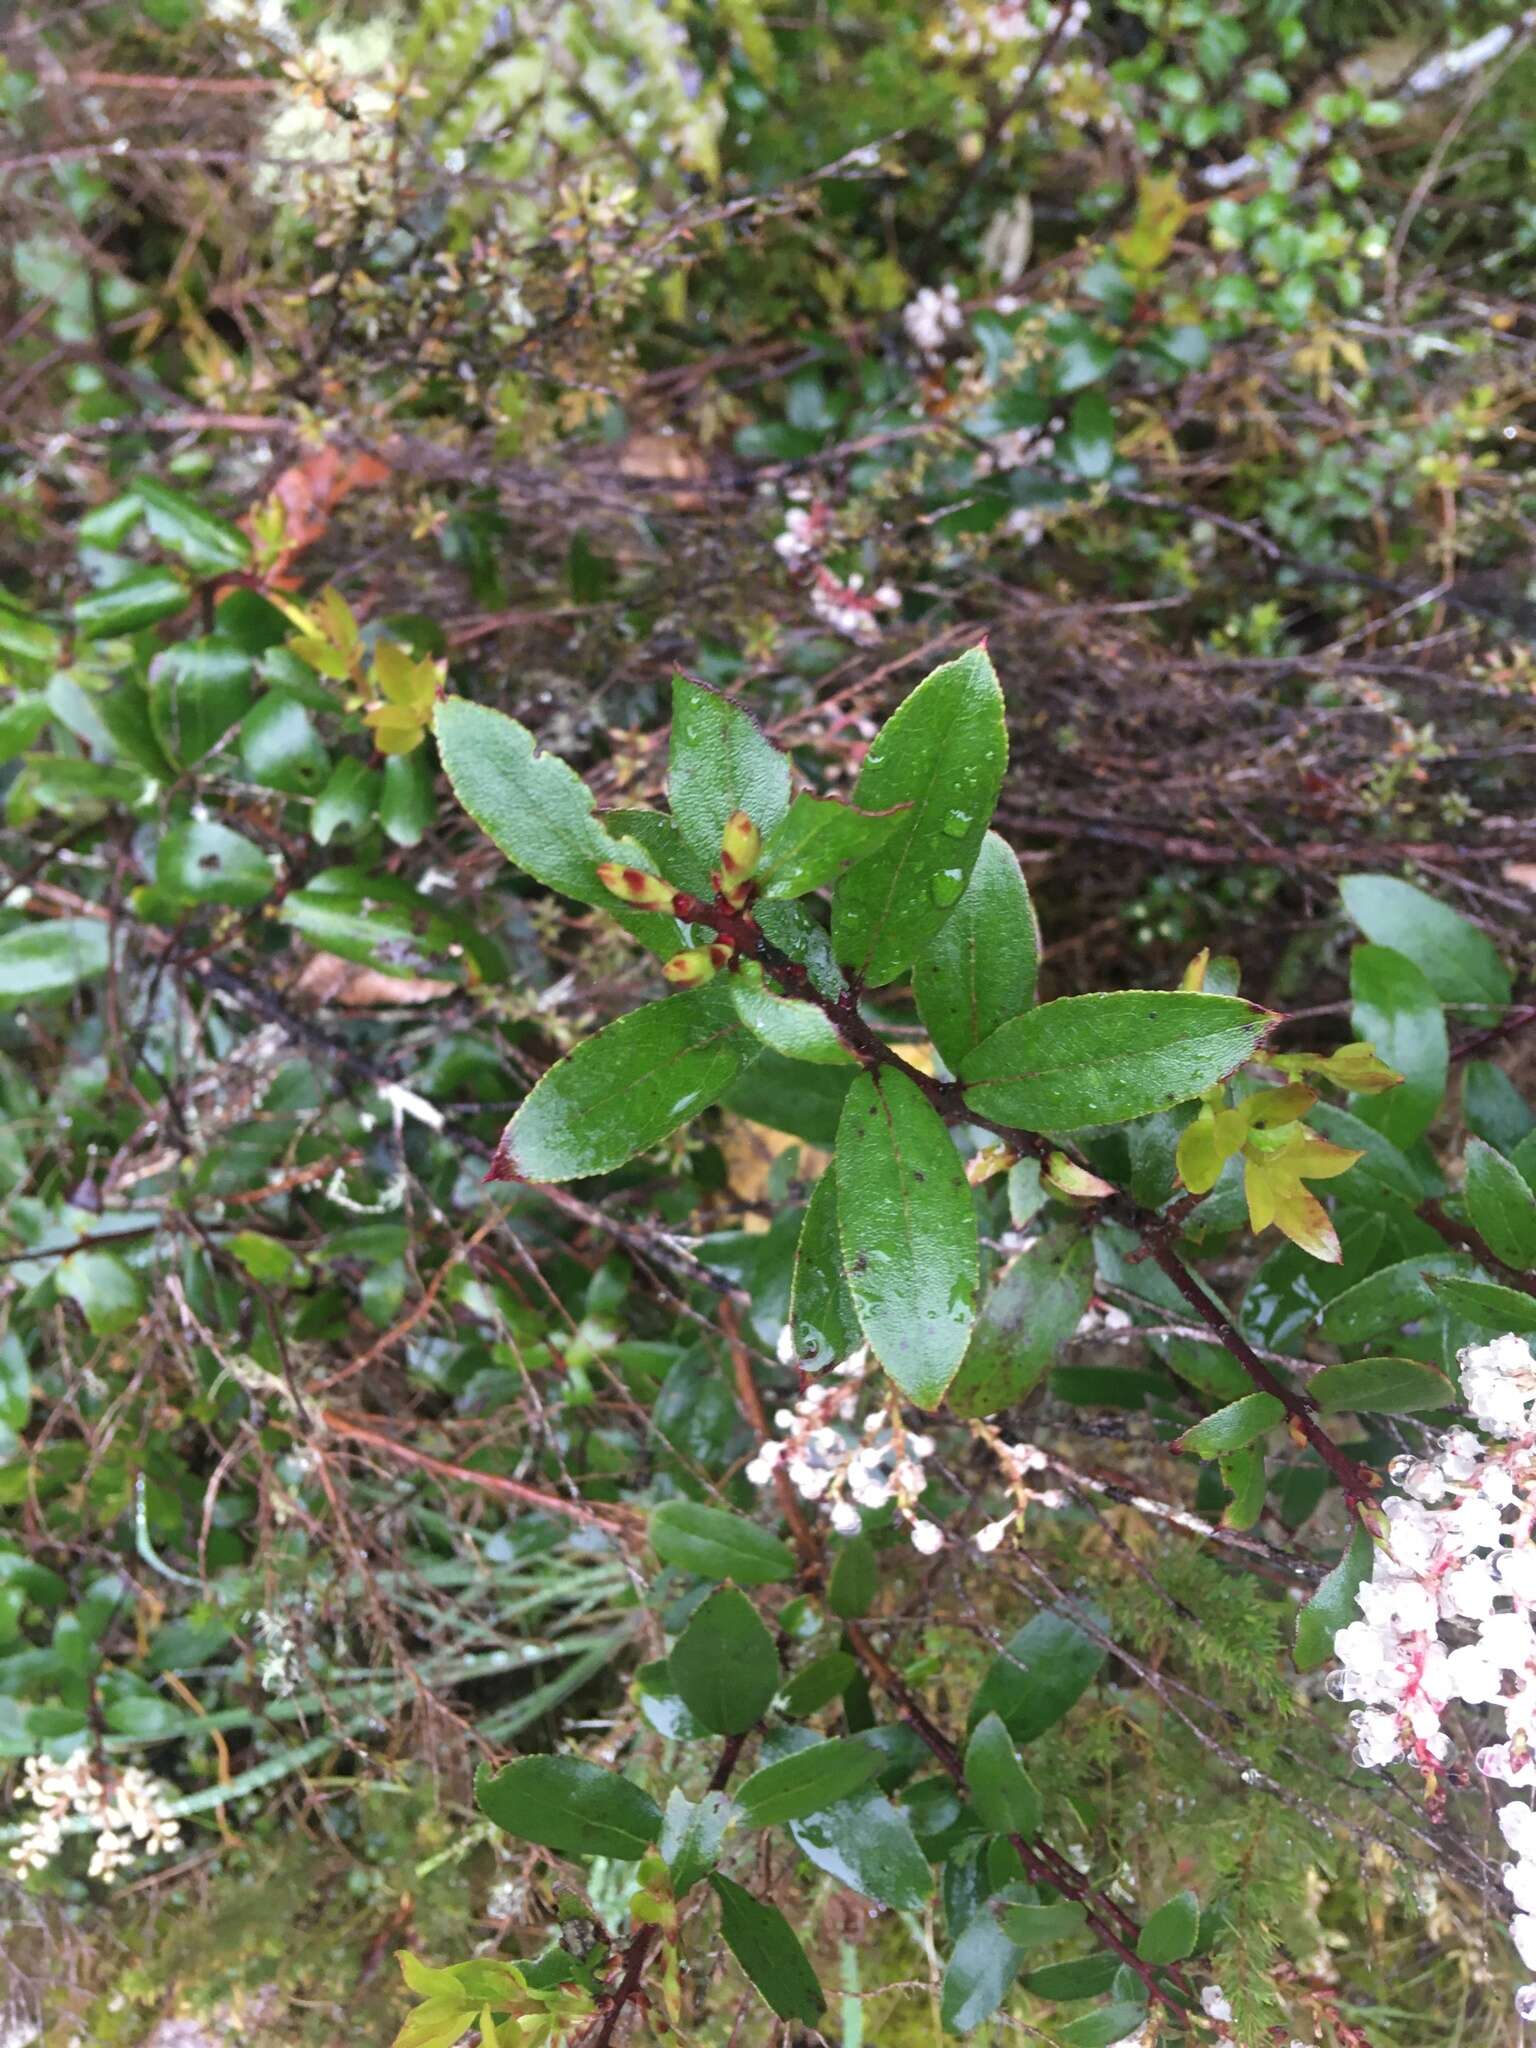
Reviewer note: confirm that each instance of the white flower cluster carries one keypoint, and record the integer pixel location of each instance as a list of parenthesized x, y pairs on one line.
[(130, 1808), (1002, 24), (931, 318), (283, 1665), (1459, 1552), (1017, 1461), (843, 603), (829, 1457)]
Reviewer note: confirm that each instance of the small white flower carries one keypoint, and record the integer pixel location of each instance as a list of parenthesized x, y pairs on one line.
[(846, 1519), (928, 1538), (989, 1538), (1214, 2006)]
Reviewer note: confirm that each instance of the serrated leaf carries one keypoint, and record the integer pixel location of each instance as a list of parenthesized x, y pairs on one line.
[(907, 1223), (807, 1781), (628, 1087), (1381, 1386), (1002, 1791), (1501, 1206), (1397, 1011), (768, 1950), (724, 1664), (715, 1544), (568, 1805), (1388, 1298), (943, 752), (1104, 1059), (798, 1031), (823, 1322), (1489, 1305), (721, 762), (1332, 1606), (1026, 1317), (979, 968), (1230, 1428), (1170, 1933), (816, 840)]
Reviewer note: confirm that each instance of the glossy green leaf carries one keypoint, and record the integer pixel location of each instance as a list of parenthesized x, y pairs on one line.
[(1105, 2028), (978, 1976), (15, 1393), (126, 714), (907, 1222), (766, 1946), (25, 637), (715, 1544), (105, 1289), (807, 1781), (816, 840), (141, 598), (209, 546), (1381, 1386), (721, 761), (1501, 1206), (628, 1087), (1397, 1011), (1385, 1300), (201, 862), (1230, 1428), (1384, 1165), (22, 722), (867, 1844), (1170, 1933), (1030, 1927), (1488, 1304), (691, 1835), (1332, 1606), (407, 804), (198, 689), (1026, 1317), (979, 968), (347, 805), (1461, 963), (41, 962), (819, 1683), (1002, 1791), (823, 1322), (799, 1031), (855, 1580), (1088, 446), (538, 812), (1038, 1675), (942, 752), (1245, 1477), (280, 748), (724, 1664), (570, 1806), (1103, 1059), (1493, 1106), (1087, 1977)]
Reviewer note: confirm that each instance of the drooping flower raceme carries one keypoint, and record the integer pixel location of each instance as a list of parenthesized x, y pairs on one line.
[(1448, 1612), (129, 1811)]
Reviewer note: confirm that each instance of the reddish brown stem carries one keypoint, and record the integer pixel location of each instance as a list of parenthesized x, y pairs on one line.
[(1463, 1238)]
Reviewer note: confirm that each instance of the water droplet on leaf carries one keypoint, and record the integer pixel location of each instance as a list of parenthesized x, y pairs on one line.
[(946, 886)]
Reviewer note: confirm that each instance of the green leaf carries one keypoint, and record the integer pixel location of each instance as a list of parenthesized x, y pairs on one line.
[(1384, 1300), (1243, 1475), (714, 1544), (807, 1781), (907, 1221), (280, 748), (942, 752), (867, 1844), (198, 689), (1084, 1978), (201, 862), (25, 637), (1396, 1010), (1489, 1305), (1383, 1164), (108, 1293), (1230, 1428), (1493, 1106), (979, 968), (1038, 1675), (208, 546), (823, 1322), (538, 812), (407, 805), (800, 1031), (1002, 1791), (724, 1665), (1088, 446), (1171, 1932), (819, 1683), (1106, 2028), (816, 840), (347, 804), (1381, 1386), (15, 1389), (721, 762), (855, 1580), (40, 962), (765, 1945), (630, 1086), (691, 1835), (1030, 1312), (570, 1806), (1501, 1206), (1332, 1606), (1461, 963), (266, 1259), (379, 921), (129, 721), (978, 1976), (1030, 1927), (22, 722), (141, 598), (1103, 1059)]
